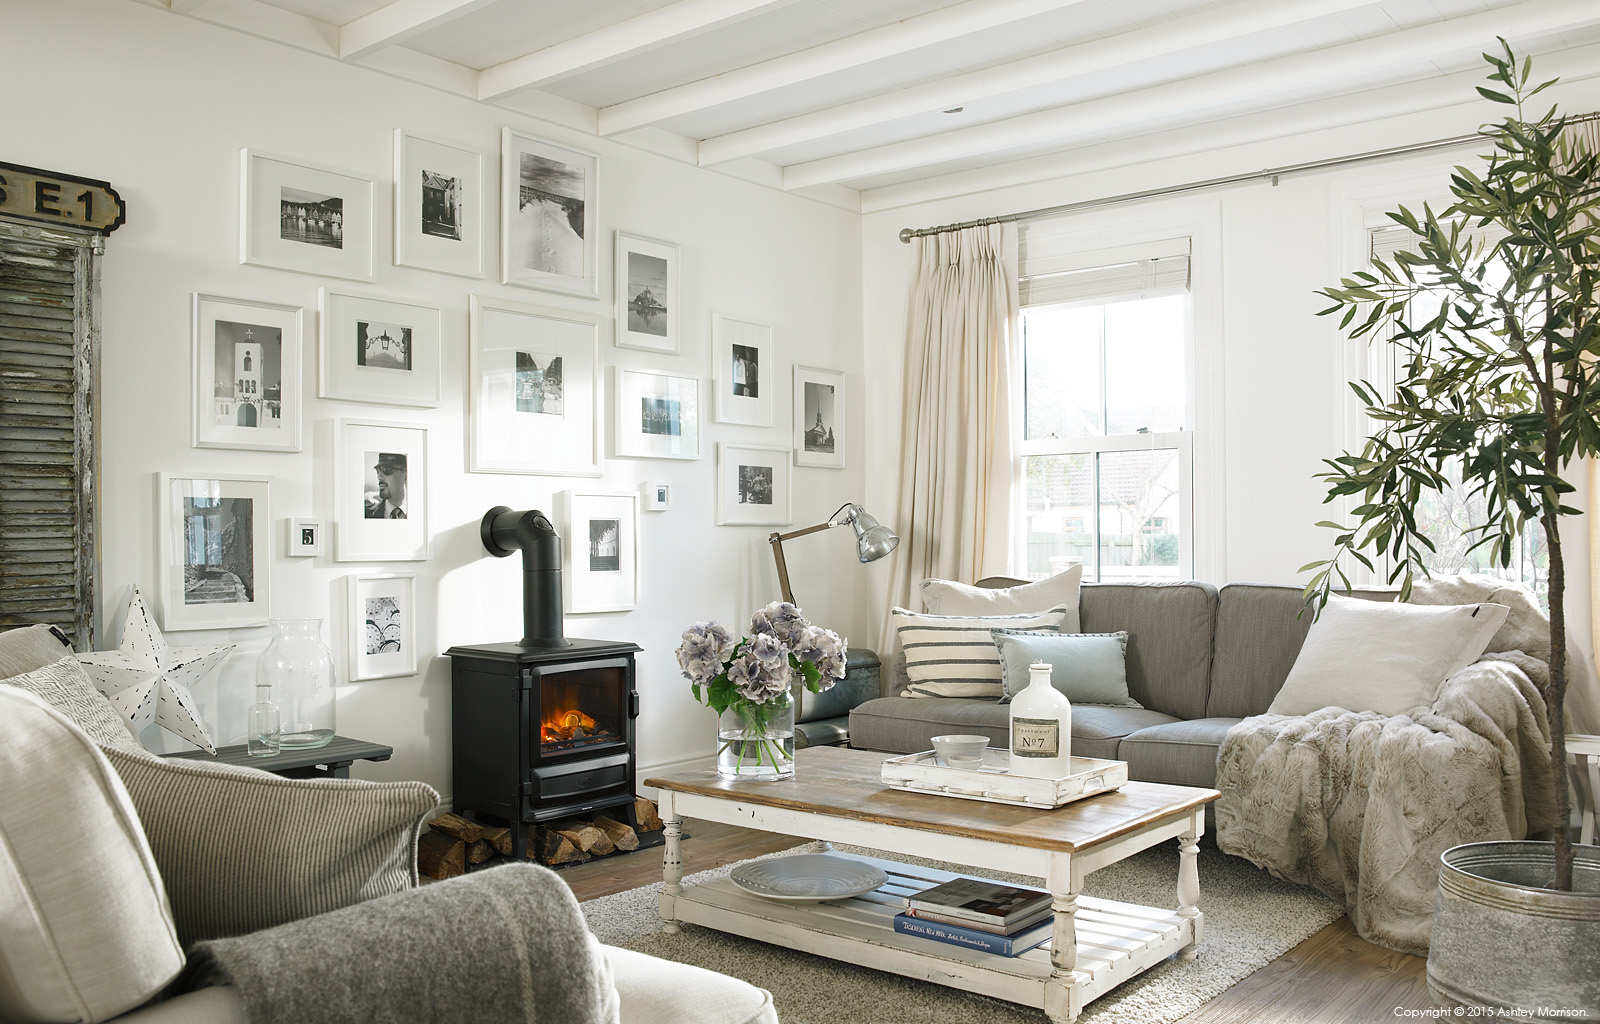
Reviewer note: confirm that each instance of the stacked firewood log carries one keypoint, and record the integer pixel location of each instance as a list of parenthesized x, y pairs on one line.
[(454, 845)]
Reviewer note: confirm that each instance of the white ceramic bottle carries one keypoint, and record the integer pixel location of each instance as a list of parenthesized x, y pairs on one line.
[(1041, 728)]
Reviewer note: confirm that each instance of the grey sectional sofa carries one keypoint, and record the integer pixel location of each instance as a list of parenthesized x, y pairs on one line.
[(1200, 659)]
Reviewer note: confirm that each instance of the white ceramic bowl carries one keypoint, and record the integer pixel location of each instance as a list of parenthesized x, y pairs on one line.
[(959, 751)]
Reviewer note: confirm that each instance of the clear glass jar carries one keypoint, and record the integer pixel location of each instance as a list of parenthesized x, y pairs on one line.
[(266, 729), (756, 741), (299, 668)]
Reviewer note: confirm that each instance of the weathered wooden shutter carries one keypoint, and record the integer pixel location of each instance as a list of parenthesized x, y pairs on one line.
[(49, 336)]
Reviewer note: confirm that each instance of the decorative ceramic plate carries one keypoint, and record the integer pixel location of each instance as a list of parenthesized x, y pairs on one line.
[(808, 877)]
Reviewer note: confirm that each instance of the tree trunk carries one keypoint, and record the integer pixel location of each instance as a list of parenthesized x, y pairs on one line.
[(1555, 695)]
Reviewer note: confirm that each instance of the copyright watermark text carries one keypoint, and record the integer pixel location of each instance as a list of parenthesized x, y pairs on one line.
[(1495, 1012)]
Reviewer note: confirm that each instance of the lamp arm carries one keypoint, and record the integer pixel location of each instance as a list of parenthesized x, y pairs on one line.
[(776, 540)]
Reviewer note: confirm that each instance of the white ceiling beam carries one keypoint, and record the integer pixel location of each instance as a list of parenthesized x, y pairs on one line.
[(1211, 26), (400, 21), (1255, 86), (612, 43), (840, 55)]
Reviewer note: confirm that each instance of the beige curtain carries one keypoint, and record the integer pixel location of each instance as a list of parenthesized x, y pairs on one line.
[(954, 506)]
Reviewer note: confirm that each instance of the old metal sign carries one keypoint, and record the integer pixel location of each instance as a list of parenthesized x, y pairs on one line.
[(65, 200)]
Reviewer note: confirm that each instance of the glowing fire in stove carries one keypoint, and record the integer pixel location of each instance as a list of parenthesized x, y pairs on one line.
[(566, 725)]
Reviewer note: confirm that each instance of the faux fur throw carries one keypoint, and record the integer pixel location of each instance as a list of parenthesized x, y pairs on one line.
[(1360, 806), (507, 945)]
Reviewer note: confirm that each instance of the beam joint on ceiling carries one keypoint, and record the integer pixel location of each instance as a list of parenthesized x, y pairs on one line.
[(400, 21)]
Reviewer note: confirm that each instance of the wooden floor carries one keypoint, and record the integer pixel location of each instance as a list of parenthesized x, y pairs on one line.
[(1334, 977)]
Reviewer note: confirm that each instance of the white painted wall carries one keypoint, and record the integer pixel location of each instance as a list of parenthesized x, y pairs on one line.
[(160, 106), (1276, 374)]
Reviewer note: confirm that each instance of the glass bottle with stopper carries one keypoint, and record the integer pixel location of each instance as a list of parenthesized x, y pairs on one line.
[(1041, 728)]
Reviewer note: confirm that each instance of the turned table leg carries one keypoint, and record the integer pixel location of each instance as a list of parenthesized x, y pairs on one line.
[(1064, 997), (1189, 887), (671, 863)]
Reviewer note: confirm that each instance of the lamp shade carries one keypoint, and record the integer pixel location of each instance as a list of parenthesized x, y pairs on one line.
[(873, 539)]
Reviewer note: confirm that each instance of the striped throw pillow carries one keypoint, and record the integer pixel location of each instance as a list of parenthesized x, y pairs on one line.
[(955, 655)]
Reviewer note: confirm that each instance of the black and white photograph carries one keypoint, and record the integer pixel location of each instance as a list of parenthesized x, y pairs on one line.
[(246, 375), (385, 346), (305, 537), (308, 536), (605, 553), (660, 415), (819, 414), (753, 484), (383, 624), (647, 293), (657, 495), (302, 217), (539, 385), (310, 217), (662, 494), (385, 494), (743, 368), (214, 551), (600, 550), (438, 205), (380, 491), (378, 350), (548, 216), (819, 409)]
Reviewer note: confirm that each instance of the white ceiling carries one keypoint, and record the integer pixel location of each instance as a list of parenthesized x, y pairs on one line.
[(875, 94)]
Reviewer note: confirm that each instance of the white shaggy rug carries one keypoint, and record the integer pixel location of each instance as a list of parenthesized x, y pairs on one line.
[(1251, 919)]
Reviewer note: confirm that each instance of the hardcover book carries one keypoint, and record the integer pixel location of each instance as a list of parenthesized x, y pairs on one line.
[(971, 899), (972, 938), (984, 926)]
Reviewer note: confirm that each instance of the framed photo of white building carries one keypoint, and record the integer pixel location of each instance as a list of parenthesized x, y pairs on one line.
[(602, 550), (742, 372), (383, 626), (533, 390), (657, 415), (438, 205), (647, 290), (378, 350), (752, 485), (380, 491), (213, 551), (302, 217), (548, 216), (246, 361), (819, 412)]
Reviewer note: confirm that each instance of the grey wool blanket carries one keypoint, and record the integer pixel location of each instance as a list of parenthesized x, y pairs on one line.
[(1360, 805), (507, 945)]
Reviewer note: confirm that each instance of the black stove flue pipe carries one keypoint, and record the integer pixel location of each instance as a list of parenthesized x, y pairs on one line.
[(505, 531)]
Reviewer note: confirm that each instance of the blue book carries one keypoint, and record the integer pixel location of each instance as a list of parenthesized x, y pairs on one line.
[(972, 938)]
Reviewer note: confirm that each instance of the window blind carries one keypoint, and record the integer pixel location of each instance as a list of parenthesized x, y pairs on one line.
[(1052, 267), (48, 336)]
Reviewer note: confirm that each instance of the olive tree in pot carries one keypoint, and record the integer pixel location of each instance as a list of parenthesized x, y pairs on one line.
[(1500, 385)]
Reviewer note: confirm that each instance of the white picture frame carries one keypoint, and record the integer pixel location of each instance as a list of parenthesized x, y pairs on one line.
[(602, 550), (365, 528), (518, 421), (753, 485), (655, 495), (438, 205), (383, 625), (742, 371), (303, 537), (243, 352), (549, 216), (656, 415), (304, 217), (384, 351), (213, 551), (819, 417), (647, 283)]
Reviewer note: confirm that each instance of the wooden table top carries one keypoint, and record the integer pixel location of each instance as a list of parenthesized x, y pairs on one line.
[(845, 783)]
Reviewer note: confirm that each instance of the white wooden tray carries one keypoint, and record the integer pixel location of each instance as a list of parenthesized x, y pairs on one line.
[(993, 781)]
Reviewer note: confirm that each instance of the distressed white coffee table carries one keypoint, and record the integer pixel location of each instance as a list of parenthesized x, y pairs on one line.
[(836, 795)]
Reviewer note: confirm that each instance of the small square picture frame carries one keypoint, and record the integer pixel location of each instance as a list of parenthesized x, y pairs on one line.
[(383, 625), (304, 537), (438, 205), (655, 495), (602, 550), (647, 294), (213, 549), (656, 415), (753, 485), (742, 370), (819, 417), (246, 362), (304, 217), (384, 351)]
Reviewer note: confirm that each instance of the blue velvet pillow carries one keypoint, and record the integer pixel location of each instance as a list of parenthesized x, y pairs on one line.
[(1090, 668)]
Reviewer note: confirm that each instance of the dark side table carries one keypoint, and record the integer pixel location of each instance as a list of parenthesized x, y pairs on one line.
[(329, 762)]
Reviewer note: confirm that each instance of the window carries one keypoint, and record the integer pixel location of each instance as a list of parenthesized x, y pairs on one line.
[(1105, 451)]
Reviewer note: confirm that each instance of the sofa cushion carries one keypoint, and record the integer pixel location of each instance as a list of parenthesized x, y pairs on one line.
[(655, 991), (1089, 668), (66, 687), (1178, 753), (900, 726), (947, 597), (23, 650), (1169, 627), (955, 655), (85, 930), (1097, 731)]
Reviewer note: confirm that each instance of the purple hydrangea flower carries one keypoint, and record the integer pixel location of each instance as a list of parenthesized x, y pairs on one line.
[(705, 647), (755, 682), (780, 618)]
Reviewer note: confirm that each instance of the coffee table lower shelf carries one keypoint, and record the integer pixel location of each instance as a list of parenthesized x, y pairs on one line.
[(1116, 941)]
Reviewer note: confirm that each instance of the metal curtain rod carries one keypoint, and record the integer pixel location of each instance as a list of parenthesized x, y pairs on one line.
[(1271, 173)]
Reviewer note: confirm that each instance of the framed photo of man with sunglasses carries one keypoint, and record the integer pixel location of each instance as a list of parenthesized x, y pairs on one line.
[(380, 491)]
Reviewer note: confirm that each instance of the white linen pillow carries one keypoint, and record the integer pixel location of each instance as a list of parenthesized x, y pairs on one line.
[(66, 687), (1384, 657), (955, 655), (947, 597)]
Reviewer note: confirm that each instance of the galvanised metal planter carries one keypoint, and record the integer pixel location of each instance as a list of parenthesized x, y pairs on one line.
[(1504, 941)]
